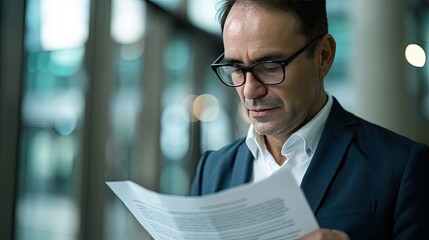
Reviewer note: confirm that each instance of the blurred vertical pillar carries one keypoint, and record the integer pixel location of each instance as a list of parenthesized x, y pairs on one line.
[(379, 80), (96, 124), (12, 15), (148, 136)]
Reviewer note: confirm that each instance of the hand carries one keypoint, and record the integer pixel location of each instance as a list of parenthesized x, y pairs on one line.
[(326, 234)]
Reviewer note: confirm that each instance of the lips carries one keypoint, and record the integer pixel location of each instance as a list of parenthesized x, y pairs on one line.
[(261, 112), (262, 107)]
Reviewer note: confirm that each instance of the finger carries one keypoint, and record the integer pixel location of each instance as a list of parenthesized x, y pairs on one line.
[(340, 235), (325, 234)]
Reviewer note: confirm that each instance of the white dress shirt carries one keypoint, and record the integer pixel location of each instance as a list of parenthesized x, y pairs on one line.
[(298, 149)]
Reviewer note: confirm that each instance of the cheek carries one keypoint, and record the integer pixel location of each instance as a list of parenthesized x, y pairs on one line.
[(304, 80), (240, 92), (299, 88)]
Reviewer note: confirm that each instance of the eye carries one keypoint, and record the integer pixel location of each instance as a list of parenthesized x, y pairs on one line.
[(236, 70), (269, 67)]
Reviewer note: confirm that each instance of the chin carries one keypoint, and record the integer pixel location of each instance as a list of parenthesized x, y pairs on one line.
[(265, 129), (274, 128)]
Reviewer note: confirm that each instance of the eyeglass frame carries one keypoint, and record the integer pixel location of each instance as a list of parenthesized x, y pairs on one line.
[(245, 69)]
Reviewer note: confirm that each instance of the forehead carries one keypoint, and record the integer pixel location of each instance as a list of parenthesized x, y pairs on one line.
[(254, 30)]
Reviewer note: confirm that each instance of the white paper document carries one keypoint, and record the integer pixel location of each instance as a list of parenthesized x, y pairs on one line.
[(272, 209)]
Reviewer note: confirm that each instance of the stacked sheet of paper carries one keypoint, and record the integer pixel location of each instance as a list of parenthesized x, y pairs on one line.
[(274, 208)]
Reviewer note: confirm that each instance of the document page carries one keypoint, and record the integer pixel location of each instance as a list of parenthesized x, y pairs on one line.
[(274, 208)]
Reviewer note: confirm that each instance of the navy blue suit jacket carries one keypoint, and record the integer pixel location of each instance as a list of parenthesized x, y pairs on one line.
[(363, 179)]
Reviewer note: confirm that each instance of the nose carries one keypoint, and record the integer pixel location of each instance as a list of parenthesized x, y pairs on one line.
[(253, 88)]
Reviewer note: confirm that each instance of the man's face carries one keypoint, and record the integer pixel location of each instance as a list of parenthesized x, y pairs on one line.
[(252, 33)]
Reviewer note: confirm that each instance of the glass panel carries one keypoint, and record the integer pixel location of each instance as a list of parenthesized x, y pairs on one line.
[(224, 122), (52, 109), (127, 30), (423, 37), (338, 80), (424, 33), (418, 61), (167, 60), (176, 119)]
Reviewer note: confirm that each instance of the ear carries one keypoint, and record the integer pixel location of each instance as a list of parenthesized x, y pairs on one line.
[(326, 53)]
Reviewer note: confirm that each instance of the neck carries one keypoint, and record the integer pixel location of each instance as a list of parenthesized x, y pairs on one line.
[(275, 143), (275, 148)]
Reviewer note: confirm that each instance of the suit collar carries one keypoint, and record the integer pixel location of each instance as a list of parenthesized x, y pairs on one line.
[(332, 146)]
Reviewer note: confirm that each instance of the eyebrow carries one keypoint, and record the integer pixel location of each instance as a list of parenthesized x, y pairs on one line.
[(268, 57)]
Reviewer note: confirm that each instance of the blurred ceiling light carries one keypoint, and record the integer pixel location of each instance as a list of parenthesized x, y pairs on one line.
[(66, 63), (128, 21), (41, 110), (131, 51), (415, 55), (64, 24), (177, 55), (170, 5), (174, 125), (203, 15), (65, 125)]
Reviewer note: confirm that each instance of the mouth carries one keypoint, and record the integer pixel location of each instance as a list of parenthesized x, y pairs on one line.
[(260, 112)]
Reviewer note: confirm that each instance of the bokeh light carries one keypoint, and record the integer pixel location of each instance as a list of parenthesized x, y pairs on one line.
[(415, 55), (206, 108)]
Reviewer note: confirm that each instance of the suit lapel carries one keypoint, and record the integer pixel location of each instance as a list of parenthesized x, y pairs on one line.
[(332, 146), (243, 166)]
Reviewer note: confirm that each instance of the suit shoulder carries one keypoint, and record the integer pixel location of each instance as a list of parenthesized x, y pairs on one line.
[(382, 143), (228, 150), (368, 137), (384, 136), (221, 169)]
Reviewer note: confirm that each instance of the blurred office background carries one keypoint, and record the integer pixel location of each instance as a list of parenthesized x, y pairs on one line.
[(97, 90)]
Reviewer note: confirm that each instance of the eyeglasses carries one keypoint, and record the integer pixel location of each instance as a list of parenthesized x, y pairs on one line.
[(266, 72)]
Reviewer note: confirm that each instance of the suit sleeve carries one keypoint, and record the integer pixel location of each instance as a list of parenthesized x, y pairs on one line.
[(411, 219)]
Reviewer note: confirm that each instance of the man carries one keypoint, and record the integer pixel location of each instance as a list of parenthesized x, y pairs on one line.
[(360, 179)]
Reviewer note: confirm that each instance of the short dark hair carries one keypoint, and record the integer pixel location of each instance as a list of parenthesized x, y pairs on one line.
[(310, 14)]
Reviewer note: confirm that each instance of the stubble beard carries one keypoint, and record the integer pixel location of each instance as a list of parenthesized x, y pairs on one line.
[(267, 128)]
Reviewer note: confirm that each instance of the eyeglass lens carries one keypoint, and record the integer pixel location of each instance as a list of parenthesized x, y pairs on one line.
[(266, 72)]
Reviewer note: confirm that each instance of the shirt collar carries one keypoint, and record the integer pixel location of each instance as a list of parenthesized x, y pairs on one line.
[(254, 142), (307, 137)]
